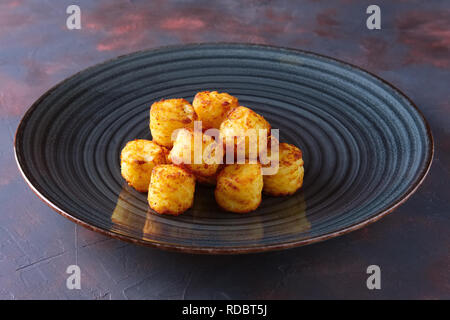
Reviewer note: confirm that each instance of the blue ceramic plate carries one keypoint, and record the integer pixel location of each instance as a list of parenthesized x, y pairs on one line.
[(366, 146)]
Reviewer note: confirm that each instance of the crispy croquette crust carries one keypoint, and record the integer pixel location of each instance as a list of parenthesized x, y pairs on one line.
[(182, 154), (137, 160), (171, 189), (237, 125), (239, 187), (213, 107), (289, 177), (166, 116)]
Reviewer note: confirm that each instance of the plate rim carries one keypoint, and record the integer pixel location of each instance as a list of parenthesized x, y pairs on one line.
[(231, 249)]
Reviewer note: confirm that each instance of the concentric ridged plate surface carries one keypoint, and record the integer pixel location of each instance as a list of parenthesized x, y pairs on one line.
[(366, 147)]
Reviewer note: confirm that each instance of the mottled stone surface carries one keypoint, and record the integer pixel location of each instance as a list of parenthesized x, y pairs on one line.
[(412, 50)]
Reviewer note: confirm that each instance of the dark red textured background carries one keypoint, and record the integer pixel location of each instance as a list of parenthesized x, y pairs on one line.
[(412, 50)]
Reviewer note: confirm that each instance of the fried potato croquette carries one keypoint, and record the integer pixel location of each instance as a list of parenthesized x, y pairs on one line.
[(242, 127), (239, 187), (168, 115), (137, 160), (213, 107), (183, 153), (289, 177), (171, 189)]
